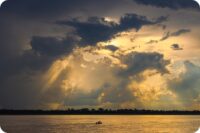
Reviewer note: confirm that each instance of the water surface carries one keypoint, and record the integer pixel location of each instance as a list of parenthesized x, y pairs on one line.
[(111, 124)]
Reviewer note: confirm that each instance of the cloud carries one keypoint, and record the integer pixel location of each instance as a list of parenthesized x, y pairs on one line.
[(111, 47), (116, 80), (97, 29), (169, 35), (132, 76), (152, 41), (174, 34), (93, 31), (40, 10), (176, 47), (135, 21), (31, 43), (172, 4), (52, 46), (186, 85), (180, 32), (139, 62), (33, 9)]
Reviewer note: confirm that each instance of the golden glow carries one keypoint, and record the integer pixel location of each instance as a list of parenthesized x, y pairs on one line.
[(89, 71), (147, 90), (54, 71)]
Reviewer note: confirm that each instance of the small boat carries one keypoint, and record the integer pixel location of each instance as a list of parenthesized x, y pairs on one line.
[(198, 131), (98, 123), (1, 130)]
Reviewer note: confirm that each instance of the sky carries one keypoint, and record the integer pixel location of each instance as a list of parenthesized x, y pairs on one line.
[(59, 54)]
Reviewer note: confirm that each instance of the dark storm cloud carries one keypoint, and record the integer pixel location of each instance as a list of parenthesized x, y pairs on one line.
[(93, 31), (98, 29), (21, 80), (176, 47), (34, 7), (52, 46), (51, 9), (135, 21), (139, 62), (172, 4), (44, 50)]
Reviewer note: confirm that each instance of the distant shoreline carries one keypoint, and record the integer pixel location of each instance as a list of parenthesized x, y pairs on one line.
[(97, 112)]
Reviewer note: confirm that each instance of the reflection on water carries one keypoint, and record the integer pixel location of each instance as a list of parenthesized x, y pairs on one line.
[(111, 124)]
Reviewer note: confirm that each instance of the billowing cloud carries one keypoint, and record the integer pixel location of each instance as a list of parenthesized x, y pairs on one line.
[(186, 85), (116, 89), (138, 62), (63, 53), (52, 46), (98, 29)]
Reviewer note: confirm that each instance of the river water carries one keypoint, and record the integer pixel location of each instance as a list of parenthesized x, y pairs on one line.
[(111, 124)]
